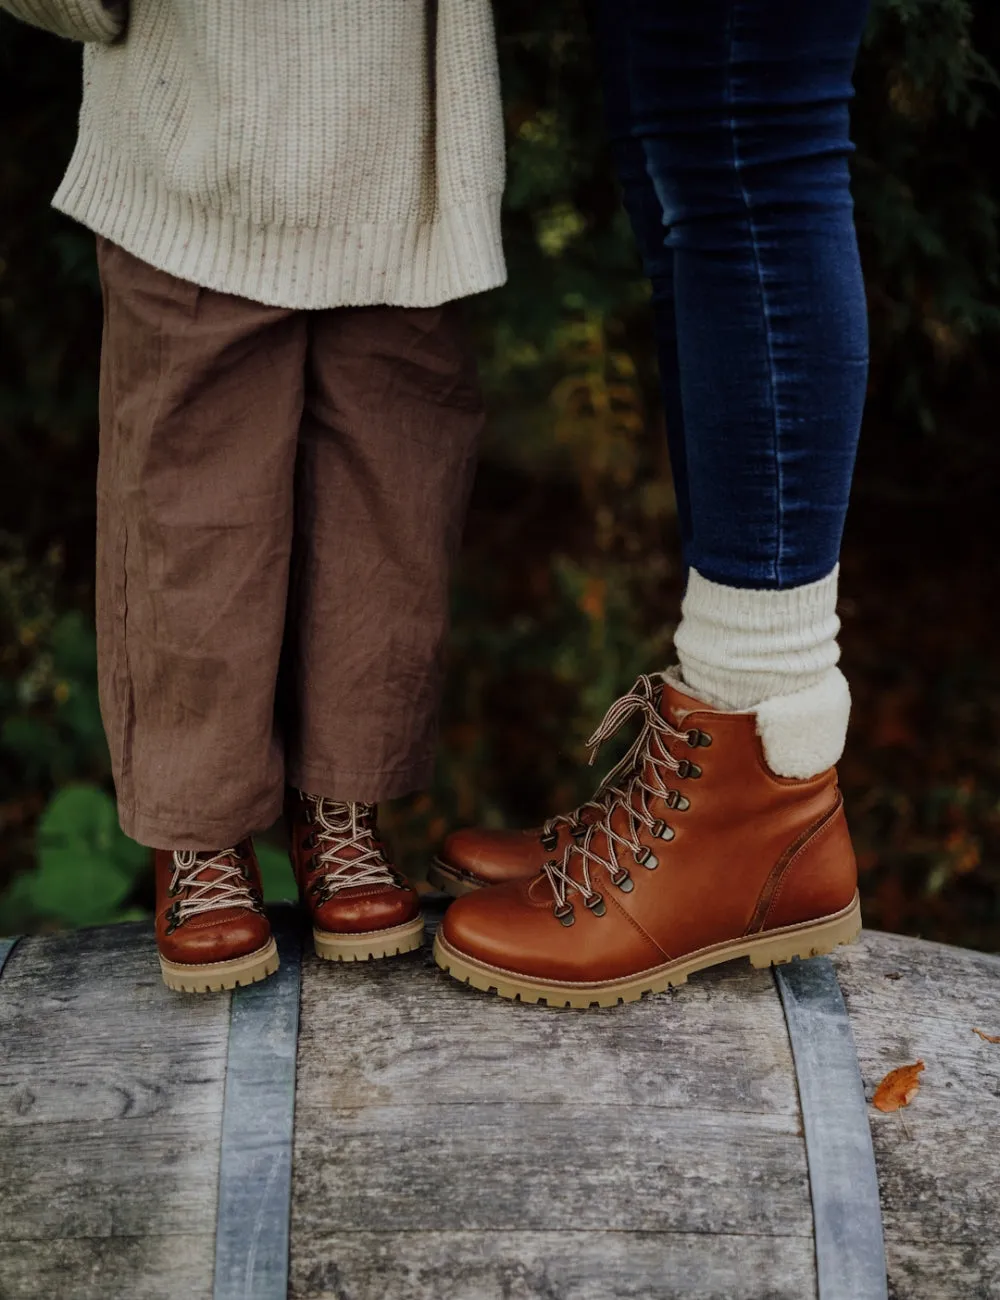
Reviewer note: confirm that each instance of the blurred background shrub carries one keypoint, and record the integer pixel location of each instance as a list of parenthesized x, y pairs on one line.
[(570, 581)]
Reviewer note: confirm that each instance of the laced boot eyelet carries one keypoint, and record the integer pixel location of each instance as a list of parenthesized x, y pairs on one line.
[(623, 881), (578, 830), (698, 739), (548, 840), (644, 857), (173, 890), (688, 770), (661, 830), (173, 918), (564, 915), (596, 904)]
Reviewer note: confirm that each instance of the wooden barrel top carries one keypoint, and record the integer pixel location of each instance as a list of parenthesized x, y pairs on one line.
[(453, 1146)]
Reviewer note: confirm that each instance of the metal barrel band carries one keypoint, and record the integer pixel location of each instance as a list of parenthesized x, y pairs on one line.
[(258, 1121), (847, 1214), (7, 946)]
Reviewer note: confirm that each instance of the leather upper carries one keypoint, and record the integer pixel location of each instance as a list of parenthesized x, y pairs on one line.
[(352, 910), (748, 851), (222, 934)]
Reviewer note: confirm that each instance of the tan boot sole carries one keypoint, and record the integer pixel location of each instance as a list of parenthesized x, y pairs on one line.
[(440, 874), (216, 976), (772, 948), (371, 944)]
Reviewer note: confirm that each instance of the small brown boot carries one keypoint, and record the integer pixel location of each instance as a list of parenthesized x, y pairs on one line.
[(702, 855), (361, 906), (211, 930)]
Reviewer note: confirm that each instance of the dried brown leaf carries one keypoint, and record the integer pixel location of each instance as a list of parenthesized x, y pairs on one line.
[(898, 1088), (987, 1038)]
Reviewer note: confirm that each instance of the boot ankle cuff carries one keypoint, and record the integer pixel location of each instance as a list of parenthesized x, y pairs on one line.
[(803, 734)]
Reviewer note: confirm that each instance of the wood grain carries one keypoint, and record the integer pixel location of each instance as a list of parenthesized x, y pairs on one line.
[(567, 1265)]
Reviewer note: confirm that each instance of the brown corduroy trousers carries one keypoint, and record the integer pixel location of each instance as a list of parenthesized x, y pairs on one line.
[(280, 496)]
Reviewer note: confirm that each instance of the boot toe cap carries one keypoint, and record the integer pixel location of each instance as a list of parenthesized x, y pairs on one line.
[(362, 911), (216, 937), (493, 857)]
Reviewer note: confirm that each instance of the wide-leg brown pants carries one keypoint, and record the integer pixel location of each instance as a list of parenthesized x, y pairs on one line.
[(280, 496)]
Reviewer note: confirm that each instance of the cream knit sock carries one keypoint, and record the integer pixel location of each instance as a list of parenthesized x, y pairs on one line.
[(773, 653)]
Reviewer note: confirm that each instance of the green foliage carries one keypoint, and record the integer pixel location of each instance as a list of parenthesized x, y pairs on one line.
[(86, 867)]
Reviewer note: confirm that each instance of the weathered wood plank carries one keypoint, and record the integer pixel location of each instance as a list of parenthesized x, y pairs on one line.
[(944, 1270), (89, 1032), (124, 1178), (406, 1031), (107, 1268), (938, 1171), (568, 1265), (504, 1167)]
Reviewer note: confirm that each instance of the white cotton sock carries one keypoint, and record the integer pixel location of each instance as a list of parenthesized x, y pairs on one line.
[(773, 653)]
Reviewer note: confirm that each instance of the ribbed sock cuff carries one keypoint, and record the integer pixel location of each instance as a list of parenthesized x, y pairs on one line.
[(773, 653)]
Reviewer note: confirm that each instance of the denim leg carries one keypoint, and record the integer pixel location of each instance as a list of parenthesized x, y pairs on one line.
[(731, 118)]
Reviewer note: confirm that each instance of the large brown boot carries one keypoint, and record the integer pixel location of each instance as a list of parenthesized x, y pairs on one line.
[(211, 930), (703, 855), (361, 906)]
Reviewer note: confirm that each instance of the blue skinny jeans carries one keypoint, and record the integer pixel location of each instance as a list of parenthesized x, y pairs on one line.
[(729, 123)]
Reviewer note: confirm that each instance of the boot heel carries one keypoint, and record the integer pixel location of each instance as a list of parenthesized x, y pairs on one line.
[(817, 939)]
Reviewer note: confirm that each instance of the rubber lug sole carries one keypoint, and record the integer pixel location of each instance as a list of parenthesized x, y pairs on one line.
[(370, 945), (449, 882), (215, 977), (774, 948)]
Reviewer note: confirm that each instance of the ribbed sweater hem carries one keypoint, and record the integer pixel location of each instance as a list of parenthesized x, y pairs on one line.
[(410, 263)]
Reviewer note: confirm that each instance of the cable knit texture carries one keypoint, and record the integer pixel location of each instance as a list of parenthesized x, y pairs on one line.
[(773, 653), (303, 154)]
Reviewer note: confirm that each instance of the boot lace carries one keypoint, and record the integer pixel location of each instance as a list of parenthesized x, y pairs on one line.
[(210, 882), (640, 776), (350, 827)]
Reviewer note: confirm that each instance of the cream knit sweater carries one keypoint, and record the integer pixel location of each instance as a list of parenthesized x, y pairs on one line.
[(302, 153)]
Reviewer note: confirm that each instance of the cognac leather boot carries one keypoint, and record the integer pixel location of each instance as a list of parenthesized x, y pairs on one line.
[(361, 906), (701, 856), (211, 930)]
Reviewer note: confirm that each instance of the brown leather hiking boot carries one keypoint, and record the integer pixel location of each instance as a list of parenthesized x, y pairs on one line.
[(361, 906), (211, 930), (702, 855)]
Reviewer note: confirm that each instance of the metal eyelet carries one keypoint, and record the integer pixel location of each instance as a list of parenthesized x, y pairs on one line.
[(623, 881), (646, 859), (578, 831), (661, 830), (687, 769), (173, 918), (596, 904), (564, 915), (548, 841), (704, 739)]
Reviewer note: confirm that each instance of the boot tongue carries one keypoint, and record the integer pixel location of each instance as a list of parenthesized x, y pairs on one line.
[(675, 705)]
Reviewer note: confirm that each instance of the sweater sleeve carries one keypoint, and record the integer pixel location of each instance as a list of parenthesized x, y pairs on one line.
[(80, 20)]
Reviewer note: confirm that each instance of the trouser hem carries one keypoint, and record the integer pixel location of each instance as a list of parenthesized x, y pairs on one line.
[(346, 785), (200, 833)]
